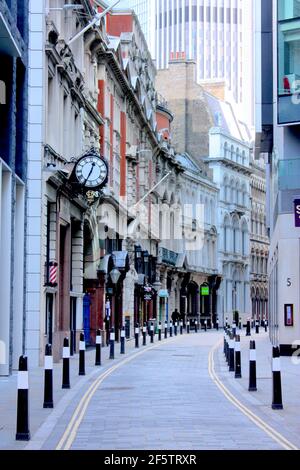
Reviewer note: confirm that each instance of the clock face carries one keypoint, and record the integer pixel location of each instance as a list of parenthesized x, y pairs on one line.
[(91, 171)]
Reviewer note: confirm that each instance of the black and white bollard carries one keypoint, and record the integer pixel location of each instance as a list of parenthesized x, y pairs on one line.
[(252, 368), (231, 353), (152, 333), (66, 365), (237, 350), (224, 343), (234, 329), (217, 325), (181, 327), (123, 334), (276, 369), (48, 383), (188, 325), (98, 348), (166, 329), (82, 355), (227, 346), (137, 335), (171, 329), (159, 331), (175, 328), (226, 323), (112, 338), (248, 328), (23, 433), (266, 326), (205, 325), (257, 327), (145, 334), (196, 326)]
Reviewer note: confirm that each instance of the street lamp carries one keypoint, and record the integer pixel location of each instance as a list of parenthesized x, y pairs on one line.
[(115, 276)]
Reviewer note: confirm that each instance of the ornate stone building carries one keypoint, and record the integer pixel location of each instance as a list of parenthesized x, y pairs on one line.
[(259, 241)]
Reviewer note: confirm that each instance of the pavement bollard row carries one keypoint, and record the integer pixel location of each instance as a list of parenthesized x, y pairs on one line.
[(231, 353), (237, 350), (152, 333), (98, 348), (137, 335), (66, 365), (82, 355), (276, 370), (145, 334), (112, 338), (23, 433), (252, 368), (122, 349), (48, 383)]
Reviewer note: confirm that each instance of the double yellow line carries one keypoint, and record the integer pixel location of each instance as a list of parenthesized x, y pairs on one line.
[(271, 432), (71, 431)]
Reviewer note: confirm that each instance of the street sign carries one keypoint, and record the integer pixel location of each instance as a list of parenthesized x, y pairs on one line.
[(205, 291), (297, 212)]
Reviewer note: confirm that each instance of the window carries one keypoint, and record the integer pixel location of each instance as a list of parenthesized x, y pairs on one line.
[(288, 60)]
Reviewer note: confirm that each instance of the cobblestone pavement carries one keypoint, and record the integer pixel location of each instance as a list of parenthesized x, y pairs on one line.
[(161, 398)]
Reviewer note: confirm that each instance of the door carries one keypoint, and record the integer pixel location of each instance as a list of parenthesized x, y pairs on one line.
[(87, 318), (73, 308)]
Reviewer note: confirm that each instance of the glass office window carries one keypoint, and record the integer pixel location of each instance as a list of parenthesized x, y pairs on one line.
[(288, 9), (288, 61)]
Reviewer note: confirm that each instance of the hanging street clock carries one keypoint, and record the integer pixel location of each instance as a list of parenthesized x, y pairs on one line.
[(91, 171)]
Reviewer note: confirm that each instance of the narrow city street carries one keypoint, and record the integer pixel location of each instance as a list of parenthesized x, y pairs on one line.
[(162, 397)]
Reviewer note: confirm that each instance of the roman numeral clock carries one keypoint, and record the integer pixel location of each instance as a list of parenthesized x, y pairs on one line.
[(91, 173)]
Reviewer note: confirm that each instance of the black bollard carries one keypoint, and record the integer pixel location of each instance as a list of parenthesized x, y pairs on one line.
[(159, 331), (98, 348), (145, 334), (277, 392), (181, 327), (227, 346), (82, 355), (66, 365), (257, 327), (122, 351), (224, 344), (205, 325), (23, 433), (252, 368), (217, 325), (137, 335), (175, 328), (196, 326), (248, 329), (234, 329), (166, 329), (48, 383), (112, 338), (237, 349), (266, 326), (188, 327), (152, 333), (171, 329), (231, 353)]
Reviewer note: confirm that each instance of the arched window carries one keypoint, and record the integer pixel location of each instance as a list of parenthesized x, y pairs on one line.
[(245, 239), (226, 237), (244, 196), (238, 155), (244, 158), (226, 150), (232, 156), (232, 192), (238, 193), (236, 236)]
